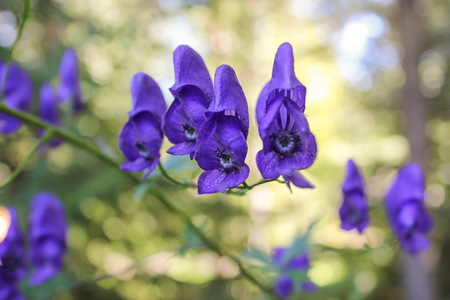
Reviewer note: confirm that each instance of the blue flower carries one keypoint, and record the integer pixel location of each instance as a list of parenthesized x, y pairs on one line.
[(406, 211), (288, 144), (18, 95), (49, 110), (13, 262), (222, 141), (69, 88), (47, 237), (193, 92), (284, 287), (141, 138), (354, 209)]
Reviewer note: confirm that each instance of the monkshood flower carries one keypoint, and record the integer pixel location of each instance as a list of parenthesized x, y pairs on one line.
[(141, 138), (222, 141), (193, 92), (49, 110), (290, 265), (69, 87), (12, 256), (354, 209), (47, 237), (18, 95), (288, 144), (406, 211)]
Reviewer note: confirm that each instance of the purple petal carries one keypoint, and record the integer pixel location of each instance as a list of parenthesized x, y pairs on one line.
[(182, 149), (216, 181), (353, 179), (284, 287), (267, 164), (69, 87), (18, 95), (10, 291), (12, 251), (283, 81), (309, 287), (218, 133), (229, 96), (49, 111), (298, 180), (146, 96), (190, 69), (47, 236), (415, 242)]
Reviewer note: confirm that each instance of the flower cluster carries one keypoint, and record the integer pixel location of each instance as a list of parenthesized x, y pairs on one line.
[(292, 266), (47, 245), (18, 94), (211, 123)]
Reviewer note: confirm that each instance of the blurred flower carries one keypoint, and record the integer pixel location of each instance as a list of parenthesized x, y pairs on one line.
[(354, 209), (406, 211), (222, 141), (292, 266), (141, 138), (193, 92), (13, 262), (49, 111), (47, 237), (69, 87), (288, 144), (18, 95)]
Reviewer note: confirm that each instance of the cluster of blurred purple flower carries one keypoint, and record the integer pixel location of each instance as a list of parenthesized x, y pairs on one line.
[(211, 123), (18, 94), (46, 241), (404, 206)]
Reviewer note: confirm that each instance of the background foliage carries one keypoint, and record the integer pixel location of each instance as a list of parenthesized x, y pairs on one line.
[(348, 54)]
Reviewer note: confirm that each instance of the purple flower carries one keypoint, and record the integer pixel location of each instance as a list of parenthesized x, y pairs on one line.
[(47, 237), (308, 287), (141, 138), (222, 141), (12, 256), (288, 144), (284, 286), (18, 95), (69, 87), (354, 209), (284, 259), (193, 92), (10, 292), (48, 110), (406, 211)]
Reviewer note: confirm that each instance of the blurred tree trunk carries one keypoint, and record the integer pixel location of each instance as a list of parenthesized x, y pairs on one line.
[(417, 273)]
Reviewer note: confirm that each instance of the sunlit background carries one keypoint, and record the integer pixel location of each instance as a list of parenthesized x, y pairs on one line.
[(347, 53)]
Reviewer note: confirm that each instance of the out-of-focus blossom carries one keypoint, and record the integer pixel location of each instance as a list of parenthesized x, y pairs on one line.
[(47, 237), (354, 209), (18, 92), (69, 86), (13, 266), (406, 211), (49, 110)]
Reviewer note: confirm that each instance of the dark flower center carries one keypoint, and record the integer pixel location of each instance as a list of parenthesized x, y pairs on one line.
[(285, 142), (227, 163), (190, 135), (143, 152)]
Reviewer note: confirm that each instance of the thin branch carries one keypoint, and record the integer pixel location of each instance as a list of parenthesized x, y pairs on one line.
[(172, 180), (24, 162)]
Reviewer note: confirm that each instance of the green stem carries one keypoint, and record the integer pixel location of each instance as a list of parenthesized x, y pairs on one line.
[(174, 181), (26, 9), (249, 187), (246, 185), (74, 139), (24, 162)]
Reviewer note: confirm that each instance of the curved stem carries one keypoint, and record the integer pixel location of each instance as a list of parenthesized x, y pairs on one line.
[(74, 139), (174, 181), (26, 9), (24, 162)]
